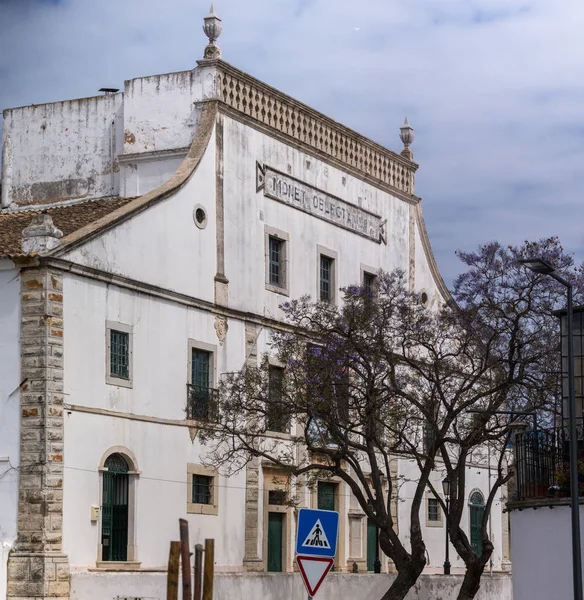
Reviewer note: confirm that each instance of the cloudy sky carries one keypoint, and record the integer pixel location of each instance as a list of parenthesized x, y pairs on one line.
[(493, 88)]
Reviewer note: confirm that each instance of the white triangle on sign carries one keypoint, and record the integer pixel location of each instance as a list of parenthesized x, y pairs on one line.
[(313, 570), (317, 537)]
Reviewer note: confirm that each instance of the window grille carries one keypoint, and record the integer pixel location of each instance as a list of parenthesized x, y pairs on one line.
[(326, 268), (433, 510), (202, 489), (119, 354), (275, 266)]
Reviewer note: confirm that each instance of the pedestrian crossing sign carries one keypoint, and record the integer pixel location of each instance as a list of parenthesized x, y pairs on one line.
[(317, 532)]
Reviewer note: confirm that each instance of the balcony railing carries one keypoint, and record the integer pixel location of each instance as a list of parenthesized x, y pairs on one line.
[(542, 466), (202, 403)]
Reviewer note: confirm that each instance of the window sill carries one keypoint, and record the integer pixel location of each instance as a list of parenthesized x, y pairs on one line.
[(202, 509), (118, 381), (277, 289), (112, 565), (434, 524)]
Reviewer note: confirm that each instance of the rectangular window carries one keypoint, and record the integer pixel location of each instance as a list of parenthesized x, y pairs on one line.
[(201, 388), (433, 510), (369, 283), (326, 277), (276, 251), (202, 489), (277, 497), (118, 354), (276, 261), (275, 418)]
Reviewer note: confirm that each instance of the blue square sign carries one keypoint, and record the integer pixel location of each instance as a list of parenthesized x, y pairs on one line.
[(317, 532)]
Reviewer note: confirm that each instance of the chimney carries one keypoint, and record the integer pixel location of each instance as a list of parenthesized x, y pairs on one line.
[(41, 235)]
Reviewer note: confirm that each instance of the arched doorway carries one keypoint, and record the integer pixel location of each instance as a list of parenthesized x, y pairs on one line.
[(114, 509), (477, 510)]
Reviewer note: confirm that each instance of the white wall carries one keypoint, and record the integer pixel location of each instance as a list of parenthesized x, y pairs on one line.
[(272, 586), (162, 245), (541, 551), (9, 410), (161, 331), (63, 150)]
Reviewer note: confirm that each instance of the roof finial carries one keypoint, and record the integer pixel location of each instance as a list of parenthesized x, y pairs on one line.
[(212, 29), (406, 135)]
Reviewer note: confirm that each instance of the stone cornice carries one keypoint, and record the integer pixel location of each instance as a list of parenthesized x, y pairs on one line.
[(296, 120)]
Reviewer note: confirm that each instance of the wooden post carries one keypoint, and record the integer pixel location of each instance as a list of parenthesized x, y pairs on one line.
[(198, 571), (186, 560), (172, 577), (209, 569)]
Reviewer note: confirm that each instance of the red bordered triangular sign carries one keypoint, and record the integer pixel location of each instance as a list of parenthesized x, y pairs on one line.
[(313, 570)]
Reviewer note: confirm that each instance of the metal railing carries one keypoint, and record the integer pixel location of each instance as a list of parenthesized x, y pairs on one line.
[(202, 403), (542, 468)]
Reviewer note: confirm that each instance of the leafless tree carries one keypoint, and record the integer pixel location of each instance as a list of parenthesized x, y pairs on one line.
[(381, 377)]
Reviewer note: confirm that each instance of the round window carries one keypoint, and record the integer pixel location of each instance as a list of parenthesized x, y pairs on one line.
[(200, 217), (424, 298)]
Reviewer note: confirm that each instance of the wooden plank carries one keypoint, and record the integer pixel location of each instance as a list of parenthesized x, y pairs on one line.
[(172, 576), (187, 590), (198, 572), (209, 570)]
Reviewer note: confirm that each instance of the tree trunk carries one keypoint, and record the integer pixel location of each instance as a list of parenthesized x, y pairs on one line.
[(405, 580), (472, 581)]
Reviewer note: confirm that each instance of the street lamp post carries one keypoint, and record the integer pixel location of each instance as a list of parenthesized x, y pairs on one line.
[(446, 490), (538, 265)]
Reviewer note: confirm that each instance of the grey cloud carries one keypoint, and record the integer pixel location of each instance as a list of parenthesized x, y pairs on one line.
[(494, 88)]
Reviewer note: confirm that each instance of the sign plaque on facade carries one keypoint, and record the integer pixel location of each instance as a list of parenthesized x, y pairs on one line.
[(313, 201)]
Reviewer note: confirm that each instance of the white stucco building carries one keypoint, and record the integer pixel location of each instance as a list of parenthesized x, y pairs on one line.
[(137, 233)]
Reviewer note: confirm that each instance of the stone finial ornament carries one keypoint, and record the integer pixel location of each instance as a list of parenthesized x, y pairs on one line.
[(212, 29), (406, 135), (41, 235)]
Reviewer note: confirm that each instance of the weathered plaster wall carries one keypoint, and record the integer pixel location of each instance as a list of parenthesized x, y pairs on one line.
[(541, 551), (64, 150), (161, 331), (272, 586), (162, 245), (9, 410)]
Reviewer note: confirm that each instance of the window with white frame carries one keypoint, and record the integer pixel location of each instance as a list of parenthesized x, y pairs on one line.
[(276, 251), (326, 275), (118, 354), (433, 512)]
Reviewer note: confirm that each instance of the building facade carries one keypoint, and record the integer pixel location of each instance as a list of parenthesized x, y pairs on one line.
[(147, 240)]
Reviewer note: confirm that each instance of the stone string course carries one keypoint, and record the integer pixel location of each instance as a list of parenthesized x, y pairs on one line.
[(36, 566)]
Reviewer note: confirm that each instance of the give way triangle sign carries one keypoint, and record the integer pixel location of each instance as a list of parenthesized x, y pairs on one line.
[(313, 570)]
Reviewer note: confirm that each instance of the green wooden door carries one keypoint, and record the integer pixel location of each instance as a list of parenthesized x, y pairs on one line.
[(371, 544), (275, 523), (477, 509), (114, 509)]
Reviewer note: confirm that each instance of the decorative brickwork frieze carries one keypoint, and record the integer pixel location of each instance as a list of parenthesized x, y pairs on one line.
[(37, 567), (278, 111)]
